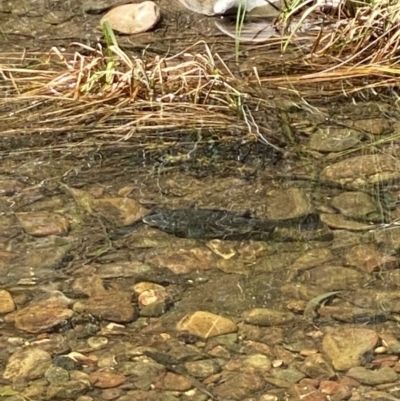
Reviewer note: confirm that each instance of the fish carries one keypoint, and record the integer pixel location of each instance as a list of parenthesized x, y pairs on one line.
[(224, 224)]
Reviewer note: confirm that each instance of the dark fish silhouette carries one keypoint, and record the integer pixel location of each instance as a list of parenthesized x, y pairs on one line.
[(224, 224)]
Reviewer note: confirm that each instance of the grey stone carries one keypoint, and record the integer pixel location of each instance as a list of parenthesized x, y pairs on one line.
[(373, 377)]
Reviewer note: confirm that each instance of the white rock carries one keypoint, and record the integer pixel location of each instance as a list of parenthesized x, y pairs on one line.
[(133, 18), (222, 6), (218, 7)]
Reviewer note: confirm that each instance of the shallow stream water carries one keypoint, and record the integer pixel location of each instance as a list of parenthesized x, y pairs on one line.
[(97, 305)]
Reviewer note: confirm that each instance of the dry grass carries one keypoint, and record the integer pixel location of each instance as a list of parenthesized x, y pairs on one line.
[(369, 37), (98, 96), (104, 97), (356, 50)]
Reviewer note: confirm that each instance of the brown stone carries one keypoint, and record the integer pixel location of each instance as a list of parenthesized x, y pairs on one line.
[(308, 393), (389, 360), (349, 382), (332, 139), (88, 285), (329, 387), (338, 221), (346, 347), (43, 315), (183, 260), (41, 224), (313, 258), (28, 364), (373, 377), (239, 385), (115, 306), (316, 366), (174, 382), (389, 239), (340, 392), (107, 394), (206, 324), (6, 302), (369, 259), (333, 278), (106, 379), (267, 317), (359, 171), (287, 203), (357, 205), (122, 211)]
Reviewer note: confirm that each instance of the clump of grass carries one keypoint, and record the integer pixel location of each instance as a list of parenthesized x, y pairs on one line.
[(292, 18), (355, 50), (108, 72), (104, 77), (102, 95), (370, 35), (240, 17), (361, 32)]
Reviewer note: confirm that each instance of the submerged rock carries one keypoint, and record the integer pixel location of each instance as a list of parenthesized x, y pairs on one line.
[(43, 315), (357, 205), (6, 302), (337, 221), (40, 224), (239, 386), (182, 260), (114, 306), (373, 377), (317, 367), (332, 139), (334, 278), (206, 325), (348, 347), (359, 171), (28, 364), (267, 317), (369, 258)]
